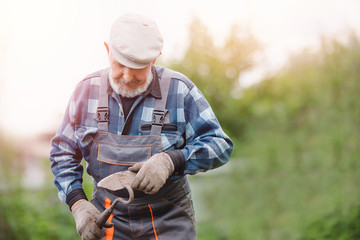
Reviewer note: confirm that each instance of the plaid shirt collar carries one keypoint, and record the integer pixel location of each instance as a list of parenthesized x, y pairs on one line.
[(153, 89)]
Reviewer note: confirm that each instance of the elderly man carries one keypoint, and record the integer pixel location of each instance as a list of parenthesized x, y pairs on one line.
[(139, 117)]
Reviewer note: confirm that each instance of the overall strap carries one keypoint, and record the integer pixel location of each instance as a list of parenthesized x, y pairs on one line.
[(102, 112), (160, 104)]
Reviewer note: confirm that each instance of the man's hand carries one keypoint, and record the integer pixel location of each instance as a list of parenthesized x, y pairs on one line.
[(85, 215), (153, 173)]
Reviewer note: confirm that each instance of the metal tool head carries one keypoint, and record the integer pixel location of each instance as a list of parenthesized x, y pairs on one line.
[(117, 181)]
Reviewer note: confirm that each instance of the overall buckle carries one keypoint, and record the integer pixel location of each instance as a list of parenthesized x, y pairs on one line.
[(102, 114), (158, 117)]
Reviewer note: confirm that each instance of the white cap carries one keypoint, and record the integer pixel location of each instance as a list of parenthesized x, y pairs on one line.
[(135, 40)]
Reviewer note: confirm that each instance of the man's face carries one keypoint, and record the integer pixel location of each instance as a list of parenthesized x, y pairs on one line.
[(127, 78)]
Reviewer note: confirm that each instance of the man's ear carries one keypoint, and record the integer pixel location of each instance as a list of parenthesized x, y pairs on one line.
[(107, 47)]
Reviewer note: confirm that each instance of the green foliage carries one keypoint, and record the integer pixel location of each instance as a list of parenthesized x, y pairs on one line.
[(336, 225), (297, 142), (215, 69), (30, 213), (34, 215)]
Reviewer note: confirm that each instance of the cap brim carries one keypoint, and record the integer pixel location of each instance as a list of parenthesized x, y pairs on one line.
[(125, 61)]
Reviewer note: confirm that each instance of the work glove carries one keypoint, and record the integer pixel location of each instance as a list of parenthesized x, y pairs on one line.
[(153, 173), (85, 215)]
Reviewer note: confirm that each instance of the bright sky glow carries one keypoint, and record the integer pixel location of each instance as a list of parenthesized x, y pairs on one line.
[(46, 47)]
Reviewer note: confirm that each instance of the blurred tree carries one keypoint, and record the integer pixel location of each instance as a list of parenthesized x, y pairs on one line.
[(298, 136), (215, 70)]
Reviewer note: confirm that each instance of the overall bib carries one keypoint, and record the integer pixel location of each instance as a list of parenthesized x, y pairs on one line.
[(167, 214)]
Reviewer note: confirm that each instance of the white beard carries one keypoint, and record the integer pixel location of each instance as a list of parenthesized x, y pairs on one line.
[(130, 93)]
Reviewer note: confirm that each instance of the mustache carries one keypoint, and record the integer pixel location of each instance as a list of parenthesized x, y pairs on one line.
[(122, 81)]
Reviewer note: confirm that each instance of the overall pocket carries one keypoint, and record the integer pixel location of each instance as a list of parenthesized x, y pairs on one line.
[(122, 155), (107, 158)]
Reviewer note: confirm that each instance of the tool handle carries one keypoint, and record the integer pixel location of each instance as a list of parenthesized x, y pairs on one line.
[(104, 216)]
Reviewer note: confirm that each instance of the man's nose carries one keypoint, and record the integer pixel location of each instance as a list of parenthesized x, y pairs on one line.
[(128, 75)]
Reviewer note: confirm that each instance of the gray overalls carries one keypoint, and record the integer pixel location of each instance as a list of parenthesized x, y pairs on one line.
[(168, 214)]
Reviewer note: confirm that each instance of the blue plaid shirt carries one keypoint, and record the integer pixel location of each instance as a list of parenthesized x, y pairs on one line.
[(198, 134)]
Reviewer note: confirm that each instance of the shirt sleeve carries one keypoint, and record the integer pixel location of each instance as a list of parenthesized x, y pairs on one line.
[(207, 146), (65, 155)]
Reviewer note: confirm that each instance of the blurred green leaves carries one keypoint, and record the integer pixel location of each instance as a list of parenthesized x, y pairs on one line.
[(297, 142), (29, 213), (215, 69)]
